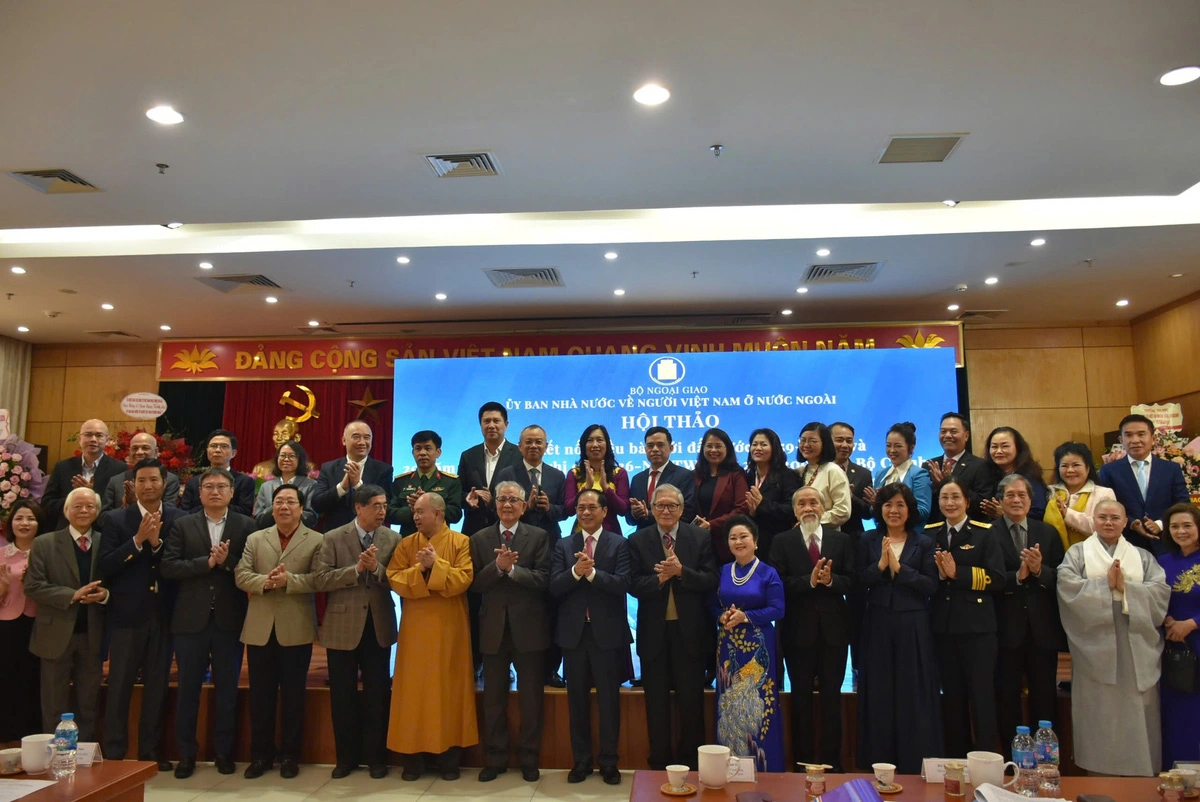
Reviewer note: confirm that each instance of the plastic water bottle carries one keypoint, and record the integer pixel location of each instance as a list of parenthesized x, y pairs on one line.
[(1024, 755), (66, 739), (1046, 746)]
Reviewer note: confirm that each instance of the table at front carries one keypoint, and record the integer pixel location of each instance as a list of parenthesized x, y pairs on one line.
[(781, 787), (108, 781)]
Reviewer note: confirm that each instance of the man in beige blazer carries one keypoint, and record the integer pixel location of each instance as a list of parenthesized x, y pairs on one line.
[(359, 630), (281, 624)]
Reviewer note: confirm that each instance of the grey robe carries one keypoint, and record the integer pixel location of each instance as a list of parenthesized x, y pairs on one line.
[(1115, 664)]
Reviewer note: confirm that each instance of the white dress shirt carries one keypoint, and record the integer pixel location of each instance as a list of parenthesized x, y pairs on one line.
[(591, 575), (362, 467)]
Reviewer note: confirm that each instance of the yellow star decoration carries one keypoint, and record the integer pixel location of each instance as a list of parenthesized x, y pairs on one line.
[(195, 360), (920, 341), (366, 404)]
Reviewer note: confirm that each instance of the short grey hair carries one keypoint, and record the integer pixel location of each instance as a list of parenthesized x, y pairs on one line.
[(801, 489), (667, 488), (511, 486), (81, 491), (1015, 477)]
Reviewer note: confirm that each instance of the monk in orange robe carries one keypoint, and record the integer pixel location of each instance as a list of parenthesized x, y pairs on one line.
[(433, 689)]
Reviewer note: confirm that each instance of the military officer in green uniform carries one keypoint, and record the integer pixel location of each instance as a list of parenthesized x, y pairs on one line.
[(408, 487)]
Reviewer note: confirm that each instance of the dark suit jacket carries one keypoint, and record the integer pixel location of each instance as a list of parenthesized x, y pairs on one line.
[(967, 603), (201, 589), (1032, 604), (337, 511), (907, 591), (114, 493), (131, 572), (774, 513), (59, 484), (860, 478), (51, 580), (519, 599), (472, 473), (243, 494), (1166, 487), (817, 615), (976, 474), (603, 597), (672, 474), (694, 550), (729, 498), (554, 485)]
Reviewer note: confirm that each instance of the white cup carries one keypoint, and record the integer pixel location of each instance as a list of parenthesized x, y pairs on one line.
[(35, 752), (677, 776), (885, 773), (716, 766), (1187, 775), (988, 767), (10, 760)]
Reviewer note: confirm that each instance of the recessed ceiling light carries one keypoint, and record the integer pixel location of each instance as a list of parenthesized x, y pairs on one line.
[(107, 307), (314, 323), (402, 260), (20, 271), (165, 327), (271, 299), (823, 251), (950, 202), (802, 290), (441, 296), (1177, 275), (610, 255), (22, 329), (651, 95), (991, 280), (172, 226), (1179, 75), (952, 307), (1122, 302), (618, 291), (1037, 243), (164, 115), (206, 265), (785, 311)]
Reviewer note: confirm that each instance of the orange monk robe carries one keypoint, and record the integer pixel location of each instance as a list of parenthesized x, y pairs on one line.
[(433, 689)]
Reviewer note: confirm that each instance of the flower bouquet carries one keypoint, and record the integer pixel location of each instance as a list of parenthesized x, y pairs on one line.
[(20, 476), (173, 452)]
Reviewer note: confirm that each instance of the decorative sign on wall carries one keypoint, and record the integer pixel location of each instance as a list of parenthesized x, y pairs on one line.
[(1165, 416), (143, 406)]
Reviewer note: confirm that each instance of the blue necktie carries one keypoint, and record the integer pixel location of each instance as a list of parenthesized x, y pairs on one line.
[(366, 541), (1139, 469)]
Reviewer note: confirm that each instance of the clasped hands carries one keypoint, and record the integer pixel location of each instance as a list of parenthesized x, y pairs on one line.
[(754, 497), (479, 495), (1179, 630), (668, 568), (584, 564), (148, 530), (1031, 563), (78, 481), (368, 560), (887, 559), (277, 578), (1116, 580), (218, 553), (90, 593), (506, 558), (427, 557), (352, 476), (1147, 527), (945, 563), (732, 617), (822, 572)]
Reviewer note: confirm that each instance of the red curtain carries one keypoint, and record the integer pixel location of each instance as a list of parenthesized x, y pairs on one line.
[(252, 409)]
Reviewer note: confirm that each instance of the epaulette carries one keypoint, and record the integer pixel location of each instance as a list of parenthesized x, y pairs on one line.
[(447, 473), (981, 524), (934, 525), (410, 473)]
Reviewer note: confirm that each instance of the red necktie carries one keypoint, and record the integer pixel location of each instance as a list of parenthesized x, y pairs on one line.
[(650, 487), (814, 553), (507, 537), (83, 543), (948, 466), (590, 547)]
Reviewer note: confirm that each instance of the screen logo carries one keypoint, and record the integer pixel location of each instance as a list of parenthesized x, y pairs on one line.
[(667, 370)]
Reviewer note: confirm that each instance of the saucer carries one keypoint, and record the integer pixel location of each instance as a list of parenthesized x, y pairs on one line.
[(687, 790), (894, 788)]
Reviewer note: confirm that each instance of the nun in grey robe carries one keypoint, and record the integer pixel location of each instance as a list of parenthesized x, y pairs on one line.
[(1116, 655)]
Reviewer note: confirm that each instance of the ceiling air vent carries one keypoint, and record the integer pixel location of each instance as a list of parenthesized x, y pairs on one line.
[(919, 148), (848, 273), (54, 182), (464, 165), (113, 333), (317, 329), (247, 282), (750, 320), (981, 314), (514, 278)]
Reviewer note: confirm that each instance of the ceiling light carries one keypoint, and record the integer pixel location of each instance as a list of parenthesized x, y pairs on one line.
[(1037, 243), (314, 323), (172, 226), (402, 260), (22, 329), (206, 265), (823, 252), (20, 271), (610, 255), (651, 95), (802, 290), (991, 280), (1177, 275), (441, 296), (785, 311), (1179, 75), (952, 307), (271, 299), (618, 291), (950, 202), (107, 307), (165, 327), (164, 115), (1122, 302)]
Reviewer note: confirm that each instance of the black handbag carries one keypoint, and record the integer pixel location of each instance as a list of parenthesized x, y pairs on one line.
[(1179, 668)]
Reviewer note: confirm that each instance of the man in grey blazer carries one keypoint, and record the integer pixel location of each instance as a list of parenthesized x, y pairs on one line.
[(68, 632), (358, 631), (512, 570)]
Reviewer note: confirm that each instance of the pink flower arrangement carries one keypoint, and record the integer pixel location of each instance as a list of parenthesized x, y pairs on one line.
[(22, 478)]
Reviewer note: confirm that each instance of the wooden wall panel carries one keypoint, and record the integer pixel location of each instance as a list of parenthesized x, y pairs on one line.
[(49, 356), (1027, 378), (1012, 338), (1104, 419), (46, 394), (1166, 347), (96, 392), (45, 434), (1110, 376), (111, 354), (1101, 336)]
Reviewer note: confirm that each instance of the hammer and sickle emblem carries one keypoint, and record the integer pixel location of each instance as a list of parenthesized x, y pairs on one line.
[(306, 412)]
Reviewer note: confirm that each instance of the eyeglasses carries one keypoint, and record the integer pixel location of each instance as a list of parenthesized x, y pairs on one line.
[(665, 506), (220, 447), (587, 507), (290, 457), (209, 488), (509, 500), (280, 502), (379, 505)]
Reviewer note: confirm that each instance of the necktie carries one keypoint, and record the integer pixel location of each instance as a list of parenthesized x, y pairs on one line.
[(1139, 467), (366, 541), (650, 487), (590, 547), (948, 466), (507, 537), (814, 553), (950, 533), (668, 543), (535, 477), (83, 543), (1018, 533)]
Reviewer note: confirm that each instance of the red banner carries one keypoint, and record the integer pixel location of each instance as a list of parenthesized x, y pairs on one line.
[(373, 357)]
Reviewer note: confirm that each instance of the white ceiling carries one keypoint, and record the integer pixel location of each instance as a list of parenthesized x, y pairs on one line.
[(314, 110)]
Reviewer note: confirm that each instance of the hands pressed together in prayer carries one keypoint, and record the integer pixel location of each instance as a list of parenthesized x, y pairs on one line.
[(1031, 563), (149, 529), (1116, 580), (945, 563), (733, 617), (368, 560), (352, 476), (822, 572), (668, 568), (427, 557), (277, 578), (887, 559)]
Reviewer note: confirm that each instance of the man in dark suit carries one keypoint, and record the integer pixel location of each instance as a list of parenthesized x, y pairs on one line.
[(545, 488), (661, 472), (63, 578), (1030, 633), (358, 631), (139, 609), (120, 493), (672, 571), (860, 480), (958, 461), (589, 575), (512, 571), (333, 495), (1144, 484), (817, 565), (92, 468), (221, 449), (200, 555)]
